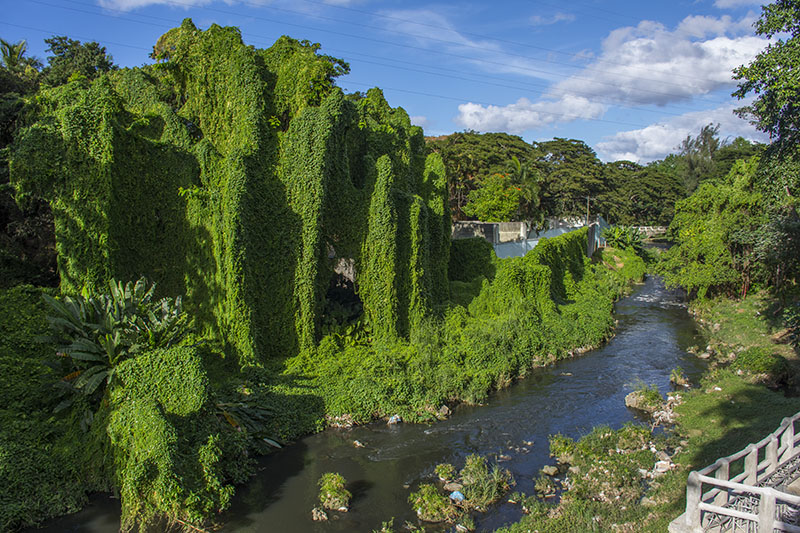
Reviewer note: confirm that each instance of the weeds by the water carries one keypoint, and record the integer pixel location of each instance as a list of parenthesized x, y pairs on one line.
[(333, 493), (432, 506)]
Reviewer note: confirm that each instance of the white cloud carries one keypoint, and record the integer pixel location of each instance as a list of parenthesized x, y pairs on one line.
[(525, 115), (432, 30), (649, 64), (661, 139), (538, 20), (419, 120)]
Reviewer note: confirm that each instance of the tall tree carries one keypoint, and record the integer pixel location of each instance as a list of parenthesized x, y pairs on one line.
[(12, 53), (772, 75), (640, 195), (699, 154), (572, 172), (470, 158), (71, 57)]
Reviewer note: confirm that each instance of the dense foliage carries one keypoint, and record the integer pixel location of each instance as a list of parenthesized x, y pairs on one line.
[(770, 76), (267, 203), (714, 231), (95, 334), (197, 189), (499, 177), (497, 200), (744, 228), (537, 309)]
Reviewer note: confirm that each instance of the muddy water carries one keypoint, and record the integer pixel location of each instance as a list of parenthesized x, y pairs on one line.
[(653, 333)]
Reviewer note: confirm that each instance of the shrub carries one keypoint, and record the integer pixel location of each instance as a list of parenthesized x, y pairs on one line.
[(650, 396), (677, 377), (332, 492), (430, 505), (624, 237), (173, 457), (482, 486), (98, 332)]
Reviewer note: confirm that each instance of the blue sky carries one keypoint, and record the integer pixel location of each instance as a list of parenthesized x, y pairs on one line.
[(630, 78)]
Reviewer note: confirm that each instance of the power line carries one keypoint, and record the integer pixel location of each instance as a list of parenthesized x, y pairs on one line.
[(84, 37), (471, 34), (594, 97), (427, 50), (345, 82)]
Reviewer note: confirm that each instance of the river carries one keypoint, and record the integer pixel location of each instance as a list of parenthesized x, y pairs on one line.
[(570, 398)]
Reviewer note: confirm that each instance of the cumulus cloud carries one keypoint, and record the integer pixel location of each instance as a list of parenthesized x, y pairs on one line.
[(538, 20), (419, 120), (658, 140), (526, 115), (649, 64)]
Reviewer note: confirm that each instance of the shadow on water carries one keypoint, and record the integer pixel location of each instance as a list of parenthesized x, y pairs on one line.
[(570, 398)]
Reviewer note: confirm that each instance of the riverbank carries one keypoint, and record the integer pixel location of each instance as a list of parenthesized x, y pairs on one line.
[(515, 315), (735, 403)]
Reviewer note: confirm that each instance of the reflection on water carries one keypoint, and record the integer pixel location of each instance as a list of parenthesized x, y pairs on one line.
[(653, 333)]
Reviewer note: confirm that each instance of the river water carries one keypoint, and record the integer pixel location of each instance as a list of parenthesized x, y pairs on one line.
[(570, 398)]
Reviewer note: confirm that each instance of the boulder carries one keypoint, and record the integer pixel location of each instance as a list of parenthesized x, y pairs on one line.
[(637, 400)]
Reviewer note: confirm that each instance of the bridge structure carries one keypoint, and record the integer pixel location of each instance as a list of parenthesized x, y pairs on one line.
[(651, 231), (756, 490)]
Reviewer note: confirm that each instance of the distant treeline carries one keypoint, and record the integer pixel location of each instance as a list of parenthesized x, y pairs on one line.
[(554, 178)]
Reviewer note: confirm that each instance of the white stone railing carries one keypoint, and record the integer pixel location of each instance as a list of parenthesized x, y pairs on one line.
[(713, 494), (649, 231)]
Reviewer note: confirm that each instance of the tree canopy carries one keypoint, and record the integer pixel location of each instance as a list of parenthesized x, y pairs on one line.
[(73, 58), (772, 75)]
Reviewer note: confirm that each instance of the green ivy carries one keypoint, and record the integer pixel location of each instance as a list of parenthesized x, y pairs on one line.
[(228, 173)]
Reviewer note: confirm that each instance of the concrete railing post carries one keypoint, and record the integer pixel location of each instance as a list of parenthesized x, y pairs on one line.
[(751, 465), (772, 455), (694, 491), (767, 508), (787, 440), (722, 473)]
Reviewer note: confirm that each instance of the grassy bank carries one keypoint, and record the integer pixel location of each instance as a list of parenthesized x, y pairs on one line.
[(737, 402)]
